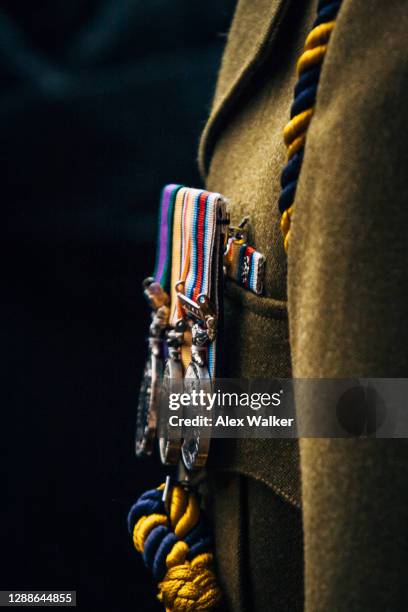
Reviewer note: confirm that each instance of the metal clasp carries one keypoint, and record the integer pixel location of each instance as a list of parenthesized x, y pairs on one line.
[(239, 233), (200, 312)]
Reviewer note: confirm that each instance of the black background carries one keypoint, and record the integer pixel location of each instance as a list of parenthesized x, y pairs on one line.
[(101, 103)]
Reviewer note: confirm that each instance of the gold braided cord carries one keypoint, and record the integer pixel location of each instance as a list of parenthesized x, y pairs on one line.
[(178, 505), (295, 131), (320, 35), (177, 555), (311, 58), (188, 585), (297, 126), (296, 145), (189, 519), (144, 526)]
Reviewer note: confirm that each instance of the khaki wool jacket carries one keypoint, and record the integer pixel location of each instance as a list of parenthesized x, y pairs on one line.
[(320, 525)]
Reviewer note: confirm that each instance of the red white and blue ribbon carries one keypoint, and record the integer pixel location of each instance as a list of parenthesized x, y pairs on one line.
[(245, 265)]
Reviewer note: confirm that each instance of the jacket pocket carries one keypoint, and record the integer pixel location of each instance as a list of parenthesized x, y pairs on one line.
[(255, 338), (255, 345)]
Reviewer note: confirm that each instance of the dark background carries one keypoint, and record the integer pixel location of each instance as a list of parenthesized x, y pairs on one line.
[(101, 104)]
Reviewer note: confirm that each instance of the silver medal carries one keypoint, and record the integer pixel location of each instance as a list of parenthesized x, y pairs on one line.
[(170, 437), (196, 440), (146, 423)]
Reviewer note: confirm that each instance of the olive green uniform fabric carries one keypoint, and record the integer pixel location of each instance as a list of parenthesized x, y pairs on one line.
[(323, 525)]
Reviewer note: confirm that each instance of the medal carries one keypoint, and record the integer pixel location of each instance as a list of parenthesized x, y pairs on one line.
[(150, 386), (156, 291), (196, 443), (170, 437), (199, 299)]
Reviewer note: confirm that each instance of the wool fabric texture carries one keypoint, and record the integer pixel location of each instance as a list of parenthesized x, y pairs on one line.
[(325, 518)]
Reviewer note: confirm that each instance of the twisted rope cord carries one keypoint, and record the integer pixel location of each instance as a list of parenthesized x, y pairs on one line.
[(294, 135), (176, 547)]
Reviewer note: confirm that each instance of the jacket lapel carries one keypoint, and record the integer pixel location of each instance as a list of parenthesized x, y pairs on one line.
[(252, 34)]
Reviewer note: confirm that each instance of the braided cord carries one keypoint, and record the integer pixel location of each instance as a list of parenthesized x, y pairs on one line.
[(176, 547), (294, 135)]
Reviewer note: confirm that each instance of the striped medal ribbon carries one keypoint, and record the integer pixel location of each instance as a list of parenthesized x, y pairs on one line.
[(199, 299), (170, 437), (242, 263), (156, 290)]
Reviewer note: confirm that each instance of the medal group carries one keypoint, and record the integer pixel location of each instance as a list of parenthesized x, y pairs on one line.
[(196, 249)]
